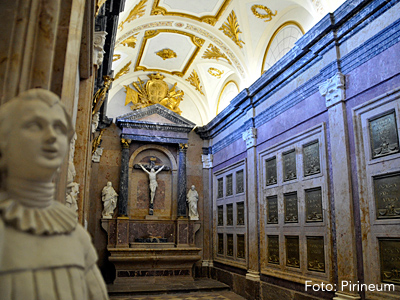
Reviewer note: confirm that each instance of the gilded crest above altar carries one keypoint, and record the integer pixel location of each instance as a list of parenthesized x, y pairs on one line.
[(154, 91)]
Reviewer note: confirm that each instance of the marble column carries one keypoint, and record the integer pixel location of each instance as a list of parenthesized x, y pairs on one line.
[(253, 268), (124, 179), (182, 180), (334, 92), (207, 160)]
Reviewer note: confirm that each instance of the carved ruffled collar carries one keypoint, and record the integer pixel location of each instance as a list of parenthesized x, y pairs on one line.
[(54, 219)]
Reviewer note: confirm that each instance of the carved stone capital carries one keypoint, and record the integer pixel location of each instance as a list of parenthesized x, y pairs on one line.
[(207, 160), (333, 90), (250, 136), (183, 147), (125, 143), (98, 43)]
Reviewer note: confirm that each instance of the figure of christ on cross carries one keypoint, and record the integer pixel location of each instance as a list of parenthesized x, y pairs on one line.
[(153, 182)]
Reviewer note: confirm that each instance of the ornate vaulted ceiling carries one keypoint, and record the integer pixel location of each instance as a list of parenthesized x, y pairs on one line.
[(207, 50)]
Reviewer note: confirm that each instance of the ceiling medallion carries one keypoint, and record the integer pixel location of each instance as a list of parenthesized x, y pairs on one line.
[(268, 16), (130, 41), (136, 12), (123, 71), (215, 72), (231, 29), (198, 42), (116, 57), (166, 54), (195, 81), (214, 53), (211, 20), (154, 91)]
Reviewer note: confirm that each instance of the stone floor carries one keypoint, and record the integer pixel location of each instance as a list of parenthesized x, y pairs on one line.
[(218, 295)]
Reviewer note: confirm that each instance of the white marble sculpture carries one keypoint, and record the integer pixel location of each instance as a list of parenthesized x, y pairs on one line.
[(152, 181), (71, 200), (192, 199), (44, 252), (109, 197)]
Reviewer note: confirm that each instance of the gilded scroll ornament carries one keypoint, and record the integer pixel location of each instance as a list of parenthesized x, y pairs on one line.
[(214, 53), (123, 71), (136, 12), (215, 72), (116, 57), (100, 95), (97, 141), (154, 91), (231, 29), (195, 81), (99, 4), (166, 54), (267, 16), (130, 41)]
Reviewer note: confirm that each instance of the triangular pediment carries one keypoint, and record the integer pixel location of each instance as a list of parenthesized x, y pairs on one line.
[(154, 114)]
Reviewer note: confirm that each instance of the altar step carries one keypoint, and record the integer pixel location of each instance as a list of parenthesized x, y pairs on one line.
[(166, 287)]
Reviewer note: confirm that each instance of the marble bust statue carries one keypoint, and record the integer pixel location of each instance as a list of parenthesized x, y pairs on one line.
[(44, 252)]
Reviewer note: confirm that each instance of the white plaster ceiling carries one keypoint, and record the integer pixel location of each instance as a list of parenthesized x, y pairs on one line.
[(190, 30)]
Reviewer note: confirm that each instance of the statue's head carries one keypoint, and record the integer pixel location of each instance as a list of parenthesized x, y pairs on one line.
[(193, 187), (152, 170), (109, 183), (35, 132)]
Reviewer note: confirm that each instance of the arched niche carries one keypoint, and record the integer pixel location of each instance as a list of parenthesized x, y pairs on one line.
[(165, 204)]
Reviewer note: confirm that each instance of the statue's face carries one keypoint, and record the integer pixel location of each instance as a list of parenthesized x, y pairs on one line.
[(152, 170), (38, 141)]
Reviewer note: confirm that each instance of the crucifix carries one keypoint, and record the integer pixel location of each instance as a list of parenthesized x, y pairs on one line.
[(152, 170)]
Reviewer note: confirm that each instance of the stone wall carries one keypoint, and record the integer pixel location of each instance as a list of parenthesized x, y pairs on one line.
[(317, 137)]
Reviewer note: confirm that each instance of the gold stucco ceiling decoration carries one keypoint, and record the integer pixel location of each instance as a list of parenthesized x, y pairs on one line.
[(154, 91), (123, 71), (135, 13), (268, 13), (116, 57), (130, 41), (197, 42), (213, 52), (195, 81), (231, 29), (215, 72), (159, 10), (166, 54)]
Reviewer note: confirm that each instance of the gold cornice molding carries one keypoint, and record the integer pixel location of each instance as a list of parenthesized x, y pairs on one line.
[(159, 10), (274, 35), (222, 91), (198, 42)]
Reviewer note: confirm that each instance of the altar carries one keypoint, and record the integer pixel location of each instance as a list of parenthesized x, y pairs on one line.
[(151, 238)]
